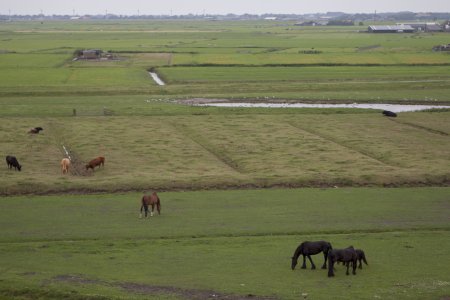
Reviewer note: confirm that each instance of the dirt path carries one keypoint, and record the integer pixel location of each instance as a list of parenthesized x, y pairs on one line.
[(154, 290)]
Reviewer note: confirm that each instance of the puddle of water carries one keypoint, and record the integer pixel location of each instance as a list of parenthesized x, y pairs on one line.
[(379, 106), (156, 78)]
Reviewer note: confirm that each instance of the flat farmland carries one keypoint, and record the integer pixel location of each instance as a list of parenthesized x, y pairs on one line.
[(225, 243), (240, 187), (36, 60), (218, 148)]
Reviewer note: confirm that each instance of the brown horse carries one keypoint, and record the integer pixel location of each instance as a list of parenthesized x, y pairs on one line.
[(152, 200)]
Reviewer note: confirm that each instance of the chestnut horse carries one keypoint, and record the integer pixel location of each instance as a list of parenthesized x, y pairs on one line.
[(152, 200), (65, 164)]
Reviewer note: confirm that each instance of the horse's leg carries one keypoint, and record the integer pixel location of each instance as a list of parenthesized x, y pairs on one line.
[(153, 209), (348, 265), (304, 262), (313, 266), (146, 209), (360, 263), (354, 263), (325, 255), (330, 267)]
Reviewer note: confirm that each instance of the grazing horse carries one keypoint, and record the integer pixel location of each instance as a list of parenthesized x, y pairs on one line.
[(35, 130), (99, 161), (311, 248), (11, 161), (361, 257), (152, 200), (65, 164), (346, 256)]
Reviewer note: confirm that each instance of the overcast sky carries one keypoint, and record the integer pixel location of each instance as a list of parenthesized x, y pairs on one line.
[(177, 7)]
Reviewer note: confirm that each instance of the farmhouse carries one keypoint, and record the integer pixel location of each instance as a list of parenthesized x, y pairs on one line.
[(429, 27), (91, 54), (390, 29)]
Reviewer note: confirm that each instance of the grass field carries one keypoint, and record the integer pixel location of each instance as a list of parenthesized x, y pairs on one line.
[(175, 149), (36, 60), (221, 243), (240, 188)]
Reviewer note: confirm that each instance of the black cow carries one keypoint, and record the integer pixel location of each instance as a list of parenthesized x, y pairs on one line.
[(11, 161), (388, 113)]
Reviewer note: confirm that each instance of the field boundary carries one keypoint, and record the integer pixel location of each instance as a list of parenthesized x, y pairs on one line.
[(424, 128), (193, 136), (364, 153), (250, 235)]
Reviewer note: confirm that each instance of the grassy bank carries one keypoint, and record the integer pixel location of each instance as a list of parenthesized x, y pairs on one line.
[(171, 147)]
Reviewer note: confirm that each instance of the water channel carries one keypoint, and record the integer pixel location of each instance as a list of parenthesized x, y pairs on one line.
[(391, 107)]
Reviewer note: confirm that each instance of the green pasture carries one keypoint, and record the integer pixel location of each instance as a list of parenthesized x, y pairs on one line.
[(161, 145), (304, 74), (193, 56), (232, 244), (218, 236)]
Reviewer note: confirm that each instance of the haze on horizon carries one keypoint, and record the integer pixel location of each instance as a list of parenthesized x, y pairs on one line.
[(199, 7)]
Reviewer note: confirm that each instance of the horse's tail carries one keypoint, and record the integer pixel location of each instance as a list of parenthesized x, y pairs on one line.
[(330, 247), (364, 258), (158, 204), (330, 264)]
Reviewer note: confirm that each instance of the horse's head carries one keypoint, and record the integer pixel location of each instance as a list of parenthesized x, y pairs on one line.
[(294, 263)]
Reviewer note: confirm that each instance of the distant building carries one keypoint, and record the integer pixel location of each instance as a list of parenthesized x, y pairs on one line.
[(311, 23), (390, 29), (434, 28), (424, 26), (91, 54)]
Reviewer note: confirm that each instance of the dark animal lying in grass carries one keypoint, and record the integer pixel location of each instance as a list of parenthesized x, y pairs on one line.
[(99, 161), (35, 130), (152, 200), (388, 113), (345, 256), (11, 161), (311, 248)]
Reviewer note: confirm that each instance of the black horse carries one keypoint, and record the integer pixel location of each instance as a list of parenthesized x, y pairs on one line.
[(361, 257), (345, 256), (311, 248)]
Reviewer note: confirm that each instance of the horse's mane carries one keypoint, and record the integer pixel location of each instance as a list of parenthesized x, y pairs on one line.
[(299, 250)]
